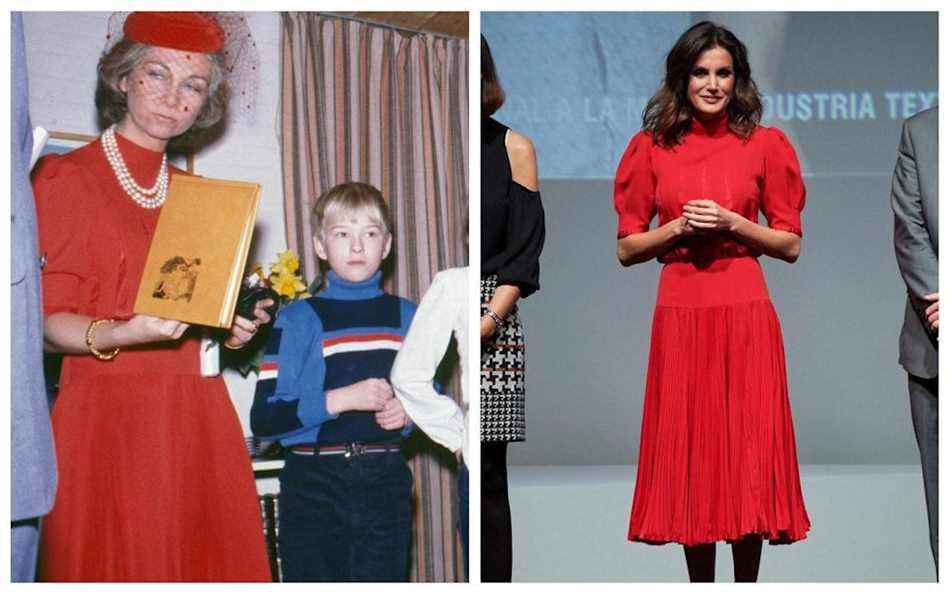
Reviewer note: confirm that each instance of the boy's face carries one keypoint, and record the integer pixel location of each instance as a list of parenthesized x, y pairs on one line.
[(354, 244)]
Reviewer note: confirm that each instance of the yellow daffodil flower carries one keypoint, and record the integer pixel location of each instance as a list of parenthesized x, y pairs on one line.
[(287, 285), (289, 261)]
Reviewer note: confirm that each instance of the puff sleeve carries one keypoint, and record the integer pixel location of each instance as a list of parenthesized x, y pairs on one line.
[(783, 190), (524, 240), (64, 222), (635, 187)]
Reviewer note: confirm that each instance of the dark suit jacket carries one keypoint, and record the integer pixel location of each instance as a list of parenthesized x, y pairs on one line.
[(33, 466), (914, 196)]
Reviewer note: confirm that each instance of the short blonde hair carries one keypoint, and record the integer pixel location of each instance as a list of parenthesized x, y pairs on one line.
[(350, 197)]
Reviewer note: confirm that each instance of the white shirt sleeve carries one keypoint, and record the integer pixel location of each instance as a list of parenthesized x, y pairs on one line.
[(416, 363)]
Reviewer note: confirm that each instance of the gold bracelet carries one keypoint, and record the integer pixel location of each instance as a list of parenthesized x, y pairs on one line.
[(91, 336)]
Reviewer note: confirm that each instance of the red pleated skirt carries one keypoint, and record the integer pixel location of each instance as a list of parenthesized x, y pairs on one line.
[(155, 483), (717, 448)]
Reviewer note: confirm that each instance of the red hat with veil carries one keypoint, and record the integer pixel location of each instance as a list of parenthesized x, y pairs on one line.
[(225, 34)]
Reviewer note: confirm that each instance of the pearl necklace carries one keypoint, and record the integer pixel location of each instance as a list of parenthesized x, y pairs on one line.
[(145, 197)]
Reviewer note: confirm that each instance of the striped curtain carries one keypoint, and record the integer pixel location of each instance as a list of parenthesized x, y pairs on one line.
[(367, 103)]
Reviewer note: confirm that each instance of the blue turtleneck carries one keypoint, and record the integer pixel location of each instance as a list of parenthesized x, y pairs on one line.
[(338, 288), (348, 332)]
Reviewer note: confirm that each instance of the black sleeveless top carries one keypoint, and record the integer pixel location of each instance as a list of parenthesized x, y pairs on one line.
[(512, 217)]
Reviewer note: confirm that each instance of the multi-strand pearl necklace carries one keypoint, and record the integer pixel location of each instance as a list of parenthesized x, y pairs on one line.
[(145, 197)]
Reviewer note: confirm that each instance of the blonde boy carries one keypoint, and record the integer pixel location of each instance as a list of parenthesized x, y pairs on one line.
[(323, 392)]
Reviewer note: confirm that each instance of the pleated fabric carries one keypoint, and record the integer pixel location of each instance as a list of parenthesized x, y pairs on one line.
[(717, 451)]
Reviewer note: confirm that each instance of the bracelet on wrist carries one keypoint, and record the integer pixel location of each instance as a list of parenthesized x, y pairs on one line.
[(232, 348), (91, 338), (499, 321)]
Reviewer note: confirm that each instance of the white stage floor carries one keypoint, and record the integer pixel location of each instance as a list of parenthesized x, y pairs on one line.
[(869, 524)]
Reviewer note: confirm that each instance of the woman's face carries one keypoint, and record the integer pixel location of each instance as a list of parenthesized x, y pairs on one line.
[(711, 83), (164, 94)]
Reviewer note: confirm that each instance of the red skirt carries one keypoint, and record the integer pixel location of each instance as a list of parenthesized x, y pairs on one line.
[(717, 447), (155, 483)]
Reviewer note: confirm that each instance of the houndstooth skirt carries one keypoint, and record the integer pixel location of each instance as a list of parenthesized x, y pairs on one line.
[(502, 383)]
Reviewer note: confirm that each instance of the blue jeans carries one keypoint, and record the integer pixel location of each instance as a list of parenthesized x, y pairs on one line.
[(463, 511), (345, 519)]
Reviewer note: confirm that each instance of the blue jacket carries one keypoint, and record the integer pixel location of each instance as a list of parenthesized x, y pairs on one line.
[(32, 459)]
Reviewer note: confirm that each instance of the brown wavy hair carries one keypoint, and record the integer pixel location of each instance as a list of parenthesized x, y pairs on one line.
[(493, 95), (668, 114)]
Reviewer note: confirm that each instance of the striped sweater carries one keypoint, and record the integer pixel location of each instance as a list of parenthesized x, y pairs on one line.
[(347, 333)]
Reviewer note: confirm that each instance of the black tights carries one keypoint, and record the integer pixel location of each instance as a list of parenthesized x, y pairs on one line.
[(746, 553), (496, 514)]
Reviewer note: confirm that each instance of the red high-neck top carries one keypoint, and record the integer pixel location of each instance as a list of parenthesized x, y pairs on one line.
[(746, 176)]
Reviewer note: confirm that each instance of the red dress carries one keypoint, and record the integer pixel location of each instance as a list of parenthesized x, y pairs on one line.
[(717, 447), (154, 479)]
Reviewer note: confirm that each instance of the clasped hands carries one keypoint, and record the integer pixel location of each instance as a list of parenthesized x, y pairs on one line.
[(704, 216), (373, 394)]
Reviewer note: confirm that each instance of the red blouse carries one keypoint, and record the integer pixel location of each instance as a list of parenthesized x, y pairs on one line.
[(742, 175)]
